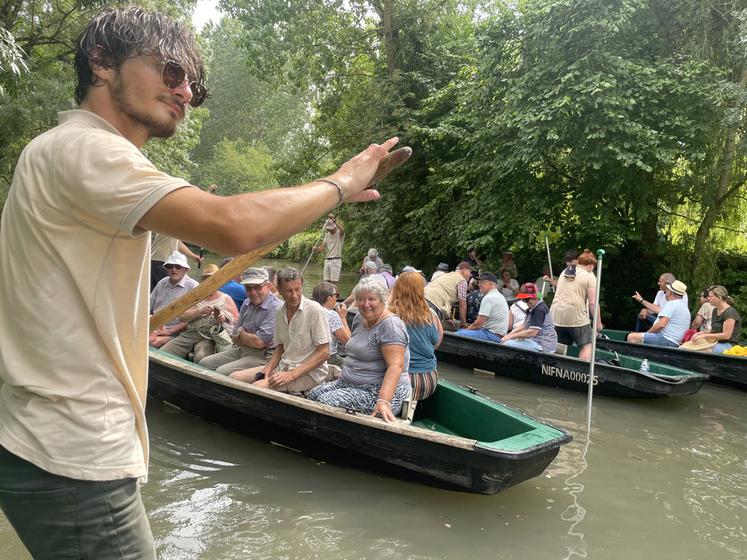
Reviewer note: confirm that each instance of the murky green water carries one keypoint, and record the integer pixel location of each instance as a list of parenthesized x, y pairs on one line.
[(663, 479)]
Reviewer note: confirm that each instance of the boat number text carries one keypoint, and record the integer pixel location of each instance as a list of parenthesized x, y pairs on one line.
[(569, 374)]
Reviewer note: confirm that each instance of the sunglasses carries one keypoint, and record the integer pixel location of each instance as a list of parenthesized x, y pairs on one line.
[(172, 266), (173, 76)]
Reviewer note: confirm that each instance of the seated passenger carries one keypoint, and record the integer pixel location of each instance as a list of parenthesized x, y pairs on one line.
[(650, 310), (374, 376), (474, 299), (204, 322), (254, 330), (299, 362), (168, 290), (492, 319), (538, 331), (507, 286), (386, 274), (233, 287), (672, 321), (371, 257), (325, 294), (702, 320), (424, 329), (726, 323), (518, 310), (507, 262)]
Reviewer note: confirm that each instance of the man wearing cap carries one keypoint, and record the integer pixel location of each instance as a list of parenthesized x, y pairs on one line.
[(254, 330), (538, 332), (441, 269), (672, 321), (334, 237), (650, 310), (302, 335), (386, 274), (172, 287), (451, 288), (492, 319)]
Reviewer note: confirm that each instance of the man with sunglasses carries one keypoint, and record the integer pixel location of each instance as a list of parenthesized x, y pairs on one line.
[(82, 204)]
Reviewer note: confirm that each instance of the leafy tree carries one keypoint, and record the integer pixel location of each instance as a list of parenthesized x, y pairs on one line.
[(237, 167)]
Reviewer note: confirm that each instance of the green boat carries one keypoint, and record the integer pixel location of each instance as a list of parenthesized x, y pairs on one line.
[(457, 438)]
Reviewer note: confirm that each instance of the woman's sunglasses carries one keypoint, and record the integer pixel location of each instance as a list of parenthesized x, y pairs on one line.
[(173, 76)]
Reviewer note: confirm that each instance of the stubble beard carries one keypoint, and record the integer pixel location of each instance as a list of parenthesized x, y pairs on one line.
[(155, 127)]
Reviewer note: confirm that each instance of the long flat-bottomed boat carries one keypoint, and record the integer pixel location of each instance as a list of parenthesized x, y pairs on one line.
[(721, 368), (456, 439), (615, 374)]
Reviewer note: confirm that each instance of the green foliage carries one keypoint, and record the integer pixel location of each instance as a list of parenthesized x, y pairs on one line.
[(237, 167)]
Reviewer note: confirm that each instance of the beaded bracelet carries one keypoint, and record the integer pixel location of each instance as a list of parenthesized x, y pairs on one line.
[(340, 193)]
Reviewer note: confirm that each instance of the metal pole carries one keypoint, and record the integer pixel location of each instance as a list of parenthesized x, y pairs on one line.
[(594, 323), (549, 260), (312, 251)]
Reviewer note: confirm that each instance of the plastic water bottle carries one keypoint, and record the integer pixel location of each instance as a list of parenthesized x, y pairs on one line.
[(644, 366)]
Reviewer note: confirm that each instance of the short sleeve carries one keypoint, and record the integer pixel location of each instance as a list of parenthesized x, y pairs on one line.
[(537, 318), (391, 331), (104, 176)]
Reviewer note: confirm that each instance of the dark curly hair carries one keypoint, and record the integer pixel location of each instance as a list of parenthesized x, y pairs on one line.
[(116, 34)]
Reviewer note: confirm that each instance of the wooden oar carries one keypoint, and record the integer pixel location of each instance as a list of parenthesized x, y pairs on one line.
[(242, 262)]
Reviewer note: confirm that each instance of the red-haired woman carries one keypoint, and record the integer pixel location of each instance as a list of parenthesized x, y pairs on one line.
[(407, 301)]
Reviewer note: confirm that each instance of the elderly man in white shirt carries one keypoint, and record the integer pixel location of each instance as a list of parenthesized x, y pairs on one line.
[(302, 342), (168, 289)]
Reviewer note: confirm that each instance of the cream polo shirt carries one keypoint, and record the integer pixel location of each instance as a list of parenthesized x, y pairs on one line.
[(307, 329), (74, 387)]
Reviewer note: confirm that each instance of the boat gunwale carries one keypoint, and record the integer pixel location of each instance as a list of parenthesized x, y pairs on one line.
[(400, 428), (687, 375)]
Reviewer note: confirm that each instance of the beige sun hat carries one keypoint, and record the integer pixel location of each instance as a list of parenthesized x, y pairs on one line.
[(699, 344), (678, 288)]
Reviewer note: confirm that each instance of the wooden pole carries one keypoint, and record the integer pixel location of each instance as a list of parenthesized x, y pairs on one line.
[(208, 286)]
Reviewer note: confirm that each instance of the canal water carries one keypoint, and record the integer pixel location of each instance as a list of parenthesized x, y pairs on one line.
[(663, 479)]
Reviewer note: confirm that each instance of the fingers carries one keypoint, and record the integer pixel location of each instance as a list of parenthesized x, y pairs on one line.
[(390, 162), (368, 195)]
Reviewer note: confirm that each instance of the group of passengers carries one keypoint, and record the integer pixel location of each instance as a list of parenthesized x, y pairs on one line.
[(666, 321), (293, 344)]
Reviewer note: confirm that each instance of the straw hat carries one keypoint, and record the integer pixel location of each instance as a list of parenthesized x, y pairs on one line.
[(699, 344), (678, 288), (209, 270)]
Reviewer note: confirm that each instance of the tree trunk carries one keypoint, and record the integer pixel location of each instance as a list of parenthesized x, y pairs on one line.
[(722, 194), (390, 37)]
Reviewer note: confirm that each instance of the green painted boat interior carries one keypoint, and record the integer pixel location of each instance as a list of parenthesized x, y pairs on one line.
[(616, 335), (454, 410), (630, 362)]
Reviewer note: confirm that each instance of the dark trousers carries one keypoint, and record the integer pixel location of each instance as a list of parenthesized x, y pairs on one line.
[(643, 326), (63, 518), (157, 271)]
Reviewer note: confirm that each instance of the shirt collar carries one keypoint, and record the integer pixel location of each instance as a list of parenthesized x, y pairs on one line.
[(86, 117)]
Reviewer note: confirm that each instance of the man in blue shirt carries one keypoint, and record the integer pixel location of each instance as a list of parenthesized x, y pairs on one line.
[(672, 322)]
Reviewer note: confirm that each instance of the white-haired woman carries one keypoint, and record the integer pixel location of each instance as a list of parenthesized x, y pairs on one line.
[(374, 376)]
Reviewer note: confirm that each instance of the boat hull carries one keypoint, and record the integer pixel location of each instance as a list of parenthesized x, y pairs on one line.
[(725, 370), (559, 371), (325, 432)]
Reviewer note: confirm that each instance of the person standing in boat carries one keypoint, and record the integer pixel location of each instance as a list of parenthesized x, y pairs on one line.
[(169, 289), (574, 305), (334, 237), (81, 208), (726, 322), (254, 330), (671, 323), (538, 331)]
